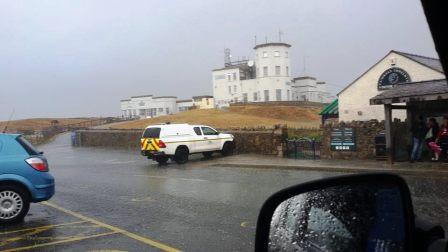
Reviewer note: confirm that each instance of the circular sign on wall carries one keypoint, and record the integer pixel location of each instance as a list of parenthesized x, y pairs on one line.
[(391, 77)]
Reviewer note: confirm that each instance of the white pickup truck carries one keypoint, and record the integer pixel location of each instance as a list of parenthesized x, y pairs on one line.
[(178, 141)]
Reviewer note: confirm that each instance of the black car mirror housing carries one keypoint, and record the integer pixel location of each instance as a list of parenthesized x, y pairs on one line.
[(345, 213)]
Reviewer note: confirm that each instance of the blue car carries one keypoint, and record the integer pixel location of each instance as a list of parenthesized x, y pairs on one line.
[(24, 178)]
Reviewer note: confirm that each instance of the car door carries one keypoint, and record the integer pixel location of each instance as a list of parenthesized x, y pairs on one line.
[(199, 144), (212, 138)]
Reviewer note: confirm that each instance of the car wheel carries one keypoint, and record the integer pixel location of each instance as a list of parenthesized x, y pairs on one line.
[(14, 204), (181, 155), (228, 149), (207, 155), (161, 159)]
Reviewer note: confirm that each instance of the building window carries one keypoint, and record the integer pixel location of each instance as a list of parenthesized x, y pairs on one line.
[(266, 95), (287, 71), (286, 54), (288, 95), (207, 101), (167, 110), (277, 70), (265, 71), (160, 109), (255, 96), (245, 97), (229, 77), (234, 88), (278, 94), (234, 76), (230, 89), (265, 54), (360, 113), (276, 53)]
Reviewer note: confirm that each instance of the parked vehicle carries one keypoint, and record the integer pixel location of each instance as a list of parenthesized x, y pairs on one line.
[(24, 177), (178, 141)]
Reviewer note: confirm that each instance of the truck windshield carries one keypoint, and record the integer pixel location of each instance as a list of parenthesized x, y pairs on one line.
[(151, 133), (29, 148)]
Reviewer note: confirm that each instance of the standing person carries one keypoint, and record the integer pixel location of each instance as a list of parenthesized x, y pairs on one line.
[(431, 136), (418, 131), (442, 138)]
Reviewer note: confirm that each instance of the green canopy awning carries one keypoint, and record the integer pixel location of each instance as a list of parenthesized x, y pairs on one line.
[(330, 109)]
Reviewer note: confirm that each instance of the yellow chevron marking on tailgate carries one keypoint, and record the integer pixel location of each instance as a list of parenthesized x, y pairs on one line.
[(154, 145)]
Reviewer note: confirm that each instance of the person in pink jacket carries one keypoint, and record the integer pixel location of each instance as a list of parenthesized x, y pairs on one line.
[(442, 138), (431, 136)]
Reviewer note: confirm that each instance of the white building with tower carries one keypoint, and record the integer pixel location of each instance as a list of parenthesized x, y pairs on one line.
[(264, 79)]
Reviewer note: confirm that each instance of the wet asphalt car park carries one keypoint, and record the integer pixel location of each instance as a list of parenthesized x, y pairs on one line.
[(117, 200)]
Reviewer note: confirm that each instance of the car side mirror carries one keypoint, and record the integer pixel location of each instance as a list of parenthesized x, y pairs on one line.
[(364, 212)]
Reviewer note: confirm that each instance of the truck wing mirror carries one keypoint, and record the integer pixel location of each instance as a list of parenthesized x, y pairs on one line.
[(364, 212)]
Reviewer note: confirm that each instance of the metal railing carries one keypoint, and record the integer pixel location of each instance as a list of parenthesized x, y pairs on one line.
[(302, 148)]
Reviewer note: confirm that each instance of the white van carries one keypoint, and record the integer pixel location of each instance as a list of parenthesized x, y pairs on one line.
[(178, 141)]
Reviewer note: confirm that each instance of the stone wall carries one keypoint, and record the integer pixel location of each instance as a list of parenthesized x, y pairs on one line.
[(365, 132), (269, 142), (124, 139)]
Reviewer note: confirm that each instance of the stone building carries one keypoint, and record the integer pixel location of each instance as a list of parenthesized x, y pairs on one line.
[(394, 68)]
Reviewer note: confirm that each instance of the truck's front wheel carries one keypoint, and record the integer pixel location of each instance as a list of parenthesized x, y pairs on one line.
[(228, 149)]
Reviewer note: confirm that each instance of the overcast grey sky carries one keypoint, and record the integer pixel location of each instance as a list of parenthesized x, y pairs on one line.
[(80, 57)]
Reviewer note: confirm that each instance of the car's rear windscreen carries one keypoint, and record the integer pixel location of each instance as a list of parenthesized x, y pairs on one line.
[(29, 148), (151, 133)]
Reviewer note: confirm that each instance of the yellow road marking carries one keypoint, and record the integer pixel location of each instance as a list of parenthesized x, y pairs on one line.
[(244, 224), (142, 239), (80, 238), (21, 237), (41, 227)]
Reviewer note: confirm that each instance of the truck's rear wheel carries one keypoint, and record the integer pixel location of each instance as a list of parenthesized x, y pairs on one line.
[(181, 155), (228, 149), (161, 159), (14, 204)]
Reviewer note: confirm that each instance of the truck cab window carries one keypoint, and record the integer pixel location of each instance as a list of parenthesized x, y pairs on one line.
[(209, 131), (197, 130)]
